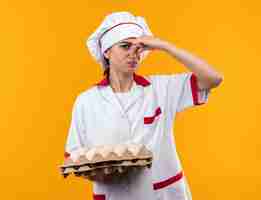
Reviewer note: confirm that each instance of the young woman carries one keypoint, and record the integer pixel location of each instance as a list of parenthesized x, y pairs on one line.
[(125, 107)]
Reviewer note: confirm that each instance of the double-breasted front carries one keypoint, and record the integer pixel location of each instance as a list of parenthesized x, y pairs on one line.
[(99, 118)]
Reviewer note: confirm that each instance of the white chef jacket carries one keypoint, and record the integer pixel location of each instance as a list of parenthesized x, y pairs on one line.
[(98, 119)]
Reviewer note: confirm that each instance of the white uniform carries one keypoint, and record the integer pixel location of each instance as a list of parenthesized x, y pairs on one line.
[(99, 118)]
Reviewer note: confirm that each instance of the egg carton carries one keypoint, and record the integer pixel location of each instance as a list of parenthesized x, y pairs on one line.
[(108, 168), (105, 160)]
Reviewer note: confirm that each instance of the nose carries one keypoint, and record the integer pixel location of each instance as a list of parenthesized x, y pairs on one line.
[(135, 51)]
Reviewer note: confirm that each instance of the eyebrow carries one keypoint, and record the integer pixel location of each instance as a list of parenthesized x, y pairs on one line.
[(125, 42)]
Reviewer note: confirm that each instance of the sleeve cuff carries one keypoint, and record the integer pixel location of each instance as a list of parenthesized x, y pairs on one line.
[(199, 96)]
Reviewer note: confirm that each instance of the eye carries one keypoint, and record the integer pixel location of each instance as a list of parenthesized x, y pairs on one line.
[(125, 46)]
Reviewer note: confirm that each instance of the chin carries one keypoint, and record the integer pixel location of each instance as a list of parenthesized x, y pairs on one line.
[(129, 71), (132, 69)]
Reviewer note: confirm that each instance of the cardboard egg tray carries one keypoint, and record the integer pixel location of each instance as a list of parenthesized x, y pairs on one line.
[(118, 160)]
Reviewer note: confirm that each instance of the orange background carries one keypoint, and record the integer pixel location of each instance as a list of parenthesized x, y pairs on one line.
[(45, 65)]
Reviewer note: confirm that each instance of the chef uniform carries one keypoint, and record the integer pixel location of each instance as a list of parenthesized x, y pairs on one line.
[(144, 115)]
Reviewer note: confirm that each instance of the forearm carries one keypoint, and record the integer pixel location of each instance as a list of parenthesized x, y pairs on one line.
[(207, 76)]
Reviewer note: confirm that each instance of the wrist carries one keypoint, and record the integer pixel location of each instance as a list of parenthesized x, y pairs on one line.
[(166, 46)]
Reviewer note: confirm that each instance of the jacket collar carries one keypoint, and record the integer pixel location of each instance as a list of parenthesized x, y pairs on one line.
[(140, 80)]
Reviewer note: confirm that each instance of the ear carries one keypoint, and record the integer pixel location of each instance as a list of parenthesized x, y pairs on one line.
[(107, 54)]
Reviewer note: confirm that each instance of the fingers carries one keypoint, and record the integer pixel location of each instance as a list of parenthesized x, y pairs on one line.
[(145, 48), (147, 42)]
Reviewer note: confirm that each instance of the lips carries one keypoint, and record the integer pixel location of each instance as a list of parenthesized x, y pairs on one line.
[(132, 63)]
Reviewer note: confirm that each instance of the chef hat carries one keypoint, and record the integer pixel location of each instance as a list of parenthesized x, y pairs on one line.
[(115, 27)]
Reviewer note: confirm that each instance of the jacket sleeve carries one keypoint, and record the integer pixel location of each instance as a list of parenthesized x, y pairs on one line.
[(189, 93), (177, 92), (76, 138)]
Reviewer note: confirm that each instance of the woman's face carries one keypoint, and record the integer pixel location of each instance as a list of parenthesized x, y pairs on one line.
[(124, 56)]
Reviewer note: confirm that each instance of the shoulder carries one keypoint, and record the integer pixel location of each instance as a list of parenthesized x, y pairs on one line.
[(86, 95), (164, 79)]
